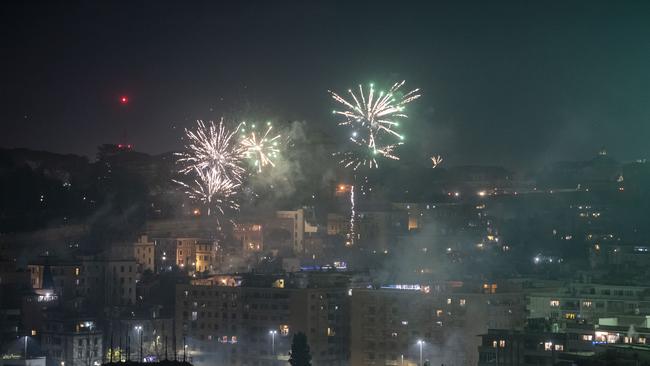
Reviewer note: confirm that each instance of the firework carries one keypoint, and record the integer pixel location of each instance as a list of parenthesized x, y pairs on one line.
[(212, 147), (213, 160), (260, 148), (213, 190), (436, 160), (374, 119), (352, 217)]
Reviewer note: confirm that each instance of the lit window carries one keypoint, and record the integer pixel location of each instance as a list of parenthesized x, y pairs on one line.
[(76, 271), (284, 330), (586, 304), (194, 315), (548, 346), (570, 315), (587, 337), (33, 332), (462, 302), (559, 347), (330, 332), (494, 344), (502, 343), (601, 336), (642, 340), (448, 301), (554, 303), (438, 313)]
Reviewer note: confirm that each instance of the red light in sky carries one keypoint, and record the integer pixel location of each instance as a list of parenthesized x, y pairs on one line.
[(124, 99)]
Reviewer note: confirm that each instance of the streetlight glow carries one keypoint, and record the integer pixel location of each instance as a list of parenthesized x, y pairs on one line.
[(273, 333)]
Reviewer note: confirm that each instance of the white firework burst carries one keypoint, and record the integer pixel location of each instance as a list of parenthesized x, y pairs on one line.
[(212, 147), (213, 190), (213, 161), (260, 148)]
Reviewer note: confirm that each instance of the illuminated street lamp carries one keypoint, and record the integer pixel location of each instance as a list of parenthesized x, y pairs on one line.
[(421, 344), (138, 328), (273, 333), (26, 348)]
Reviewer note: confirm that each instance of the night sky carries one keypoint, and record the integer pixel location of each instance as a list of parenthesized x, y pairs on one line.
[(508, 83)]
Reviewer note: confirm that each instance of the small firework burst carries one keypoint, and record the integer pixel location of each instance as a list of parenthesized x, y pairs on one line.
[(260, 148), (436, 160)]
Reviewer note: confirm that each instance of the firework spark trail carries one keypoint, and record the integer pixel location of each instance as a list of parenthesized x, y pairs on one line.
[(260, 147), (352, 216), (436, 160), (374, 119)]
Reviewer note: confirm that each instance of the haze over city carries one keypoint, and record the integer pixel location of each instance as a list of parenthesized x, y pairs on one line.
[(346, 183)]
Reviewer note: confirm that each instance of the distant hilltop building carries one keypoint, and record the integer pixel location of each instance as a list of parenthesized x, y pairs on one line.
[(600, 172)]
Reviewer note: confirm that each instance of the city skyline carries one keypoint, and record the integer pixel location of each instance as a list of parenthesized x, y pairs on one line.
[(341, 183)]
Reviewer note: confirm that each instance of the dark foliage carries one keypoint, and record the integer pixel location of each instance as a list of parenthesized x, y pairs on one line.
[(300, 355)]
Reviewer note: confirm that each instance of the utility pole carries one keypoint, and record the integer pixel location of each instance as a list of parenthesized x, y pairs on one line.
[(184, 348), (110, 354), (140, 346)]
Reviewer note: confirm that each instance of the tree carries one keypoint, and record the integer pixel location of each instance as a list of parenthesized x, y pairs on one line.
[(300, 355)]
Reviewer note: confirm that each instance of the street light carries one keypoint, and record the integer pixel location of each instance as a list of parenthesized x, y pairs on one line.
[(26, 348), (273, 333), (420, 343), (138, 328), (89, 325)]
